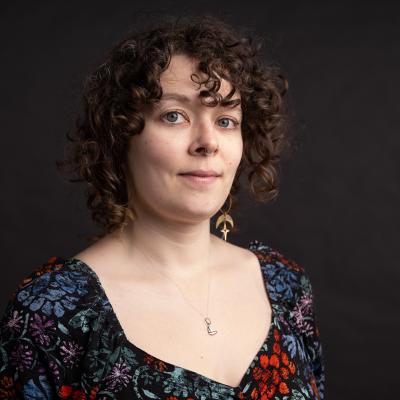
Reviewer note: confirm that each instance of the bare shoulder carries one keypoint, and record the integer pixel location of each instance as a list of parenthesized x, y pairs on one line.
[(100, 255), (238, 256), (242, 267)]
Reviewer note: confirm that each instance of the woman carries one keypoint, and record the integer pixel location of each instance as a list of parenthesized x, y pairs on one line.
[(158, 307)]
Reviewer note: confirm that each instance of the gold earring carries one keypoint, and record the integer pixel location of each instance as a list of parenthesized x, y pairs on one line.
[(225, 218)]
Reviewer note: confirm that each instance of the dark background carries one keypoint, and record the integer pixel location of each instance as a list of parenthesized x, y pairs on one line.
[(338, 211)]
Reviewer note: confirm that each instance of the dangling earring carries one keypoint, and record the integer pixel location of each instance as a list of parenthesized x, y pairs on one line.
[(225, 218)]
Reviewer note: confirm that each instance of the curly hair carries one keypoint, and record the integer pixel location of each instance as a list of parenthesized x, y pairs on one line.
[(116, 93)]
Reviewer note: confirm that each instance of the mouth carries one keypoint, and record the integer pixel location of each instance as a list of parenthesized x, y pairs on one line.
[(202, 173), (197, 179)]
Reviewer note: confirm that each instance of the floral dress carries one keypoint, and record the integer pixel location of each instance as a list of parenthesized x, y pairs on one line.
[(60, 339)]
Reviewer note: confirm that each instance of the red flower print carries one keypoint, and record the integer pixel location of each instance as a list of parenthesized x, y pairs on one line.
[(292, 367), (155, 363), (271, 391), (262, 387), (159, 365), (7, 388), (264, 361), (148, 359), (289, 263), (276, 348), (93, 393), (78, 395), (272, 372), (51, 265), (257, 373), (285, 358), (284, 372), (283, 389), (52, 260), (254, 394), (274, 361), (6, 382), (266, 375), (65, 391), (275, 377)]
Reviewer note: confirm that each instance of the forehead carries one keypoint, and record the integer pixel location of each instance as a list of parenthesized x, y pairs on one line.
[(177, 77)]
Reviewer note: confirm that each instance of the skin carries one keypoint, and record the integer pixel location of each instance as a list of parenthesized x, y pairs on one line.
[(171, 211)]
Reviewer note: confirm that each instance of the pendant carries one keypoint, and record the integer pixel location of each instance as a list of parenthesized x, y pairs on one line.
[(224, 218), (209, 329)]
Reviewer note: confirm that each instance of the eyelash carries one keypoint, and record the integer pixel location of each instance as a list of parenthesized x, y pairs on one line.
[(235, 123)]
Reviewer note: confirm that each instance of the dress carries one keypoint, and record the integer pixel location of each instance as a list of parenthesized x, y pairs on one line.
[(60, 338)]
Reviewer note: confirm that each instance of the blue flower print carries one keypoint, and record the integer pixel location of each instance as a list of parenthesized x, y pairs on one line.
[(33, 392), (282, 282), (55, 292)]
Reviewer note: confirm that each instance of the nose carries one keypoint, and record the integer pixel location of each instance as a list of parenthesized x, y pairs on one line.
[(205, 140)]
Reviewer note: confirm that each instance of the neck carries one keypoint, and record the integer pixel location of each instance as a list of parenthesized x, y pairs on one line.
[(179, 250)]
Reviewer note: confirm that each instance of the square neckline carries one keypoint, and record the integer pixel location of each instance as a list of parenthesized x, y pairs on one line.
[(134, 347)]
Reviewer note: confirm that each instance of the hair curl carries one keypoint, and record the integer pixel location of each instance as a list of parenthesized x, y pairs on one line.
[(116, 93)]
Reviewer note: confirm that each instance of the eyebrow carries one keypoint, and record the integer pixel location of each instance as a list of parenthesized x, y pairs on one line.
[(184, 99), (175, 96)]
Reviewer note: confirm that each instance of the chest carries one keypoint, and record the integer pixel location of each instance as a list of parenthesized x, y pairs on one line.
[(173, 329)]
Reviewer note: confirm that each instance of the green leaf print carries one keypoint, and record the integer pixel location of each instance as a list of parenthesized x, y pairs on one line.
[(81, 320)]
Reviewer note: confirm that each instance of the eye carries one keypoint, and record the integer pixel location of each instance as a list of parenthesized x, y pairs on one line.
[(171, 116), (226, 122)]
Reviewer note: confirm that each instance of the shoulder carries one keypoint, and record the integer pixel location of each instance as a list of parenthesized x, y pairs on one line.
[(46, 328), (54, 288), (57, 304), (290, 286), (273, 256), (288, 281), (54, 294)]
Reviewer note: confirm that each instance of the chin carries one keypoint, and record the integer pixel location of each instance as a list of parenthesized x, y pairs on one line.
[(199, 213)]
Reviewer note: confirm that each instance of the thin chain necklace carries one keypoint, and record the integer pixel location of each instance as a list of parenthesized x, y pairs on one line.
[(206, 319)]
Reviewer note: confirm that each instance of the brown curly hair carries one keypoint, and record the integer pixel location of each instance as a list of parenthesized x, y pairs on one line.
[(117, 92)]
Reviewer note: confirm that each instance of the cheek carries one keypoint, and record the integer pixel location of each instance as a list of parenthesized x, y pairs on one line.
[(153, 157), (161, 153), (235, 154)]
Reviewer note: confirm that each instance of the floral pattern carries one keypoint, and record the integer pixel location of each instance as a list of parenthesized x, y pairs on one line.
[(59, 338), (41, 329), (118, 377), (54, 293)]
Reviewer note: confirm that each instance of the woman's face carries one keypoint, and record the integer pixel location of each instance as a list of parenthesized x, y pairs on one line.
[(172, 144)]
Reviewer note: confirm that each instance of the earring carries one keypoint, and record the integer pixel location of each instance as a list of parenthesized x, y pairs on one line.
[(225, 218)]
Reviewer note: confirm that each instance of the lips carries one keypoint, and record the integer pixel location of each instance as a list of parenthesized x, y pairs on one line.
[(199, 181), (202, 173)]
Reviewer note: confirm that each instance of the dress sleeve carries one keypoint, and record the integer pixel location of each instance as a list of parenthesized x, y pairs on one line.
[(305, 312), (44, 333), (294, 288), (24, 369)]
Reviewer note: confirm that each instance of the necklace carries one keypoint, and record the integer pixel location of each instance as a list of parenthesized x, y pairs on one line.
[(206, 319)]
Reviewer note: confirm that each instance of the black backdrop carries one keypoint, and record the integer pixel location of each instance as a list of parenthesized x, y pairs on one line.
[(337, 214)]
